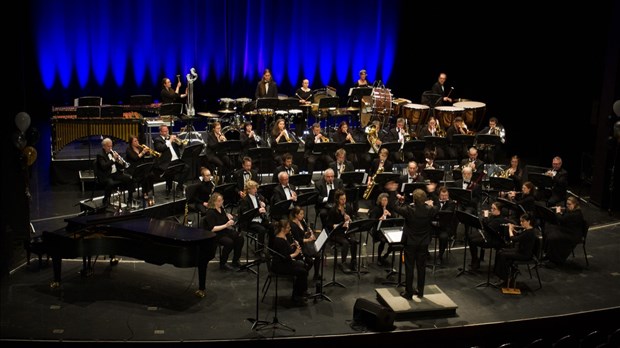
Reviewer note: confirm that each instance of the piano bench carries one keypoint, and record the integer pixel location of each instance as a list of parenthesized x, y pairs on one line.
[(35, 246)]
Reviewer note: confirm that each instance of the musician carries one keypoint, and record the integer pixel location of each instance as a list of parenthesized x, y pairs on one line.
[(259, 224), (483, 239), (456, 150), (432, 129), (305, 237), (136, 154), (381, 211), (362, 81), (398, 134), (279, 134), (561, 239), (248, 137), (203, 193), (440, 89), (525, 240), (374, 142), (304, 93), (285, 261), (169, 95), (245, 174), (217, 220), (216, 160), (282, 192), (413, 174), (381, 162), (444, 229), (341, 213), (344, 136), (466, 183), (416, 235), (526, 198), (266, 87), (110, 171), (286, 166), (170, 148), (429, 160), (473, 161), (560, 182), (341, 164), (515, 171), (316, 137), (494, 153), (324, 186)]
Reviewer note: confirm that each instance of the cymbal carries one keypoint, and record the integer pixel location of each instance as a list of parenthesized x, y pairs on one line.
[(226, 111), (351, 108), (207, 114)]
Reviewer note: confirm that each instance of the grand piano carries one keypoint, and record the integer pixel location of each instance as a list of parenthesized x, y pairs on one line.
[(152, 240)]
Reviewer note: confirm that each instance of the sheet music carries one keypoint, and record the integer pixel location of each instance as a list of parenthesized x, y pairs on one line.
[(393, 234), (350, 92), (320, 240)]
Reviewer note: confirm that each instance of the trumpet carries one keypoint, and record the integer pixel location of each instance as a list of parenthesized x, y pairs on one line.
[(179, 141), (151, 151), (288, 139), (118, 158), (221, 137), (351, 138)]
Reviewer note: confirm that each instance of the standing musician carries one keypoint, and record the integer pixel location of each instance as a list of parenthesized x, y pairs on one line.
[(416, 235), (304, 93), (382, 211), (440, 89), (324, 186), (310, 154), (341, 164), (266, 87), (169, 95), (286, 166), (432, 129), (218, 163), (282, 192), (457, 151), (170, 147), (493, 153), (344, 136), (258, 225), (110, 168), (362, 81), (245, 174), (304, 235), (137, 154), (217, 220), (341, 213)]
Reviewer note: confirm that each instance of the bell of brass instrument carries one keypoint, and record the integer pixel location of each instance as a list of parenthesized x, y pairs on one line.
[(151, 151), (324, 139), (372, 183), (180, 142), (372, 137)]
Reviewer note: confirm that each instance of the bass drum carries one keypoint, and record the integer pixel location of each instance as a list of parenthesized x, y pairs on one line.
[(382, 101), (231, 133)]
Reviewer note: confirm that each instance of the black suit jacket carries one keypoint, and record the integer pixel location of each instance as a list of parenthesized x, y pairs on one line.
[(387, 166), (279, 195), (239, 178), (478, 162), (476, 194), (321, 187), (418, 221), (262, 93), (348, 167), (442, 92), (159, 143), (560, 184), (246, 205), (104, 166)]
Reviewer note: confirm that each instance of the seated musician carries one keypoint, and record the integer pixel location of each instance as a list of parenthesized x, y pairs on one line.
[(110, 171), (429, 160), (200, 200), (381, 211), (398, 134), (285, 261), (559, 176), (443, 229), (249, 139), (169, 146), (279, 134), (561, 239), (243, 175), (515, 171), (286, 166), (316, 137), (495, 222), (137, 154), (493, 153), (341, 164), (374, 139), (526, 198), (219, 163), (344, 136), (525, 243), (466, 183), (473, 161), (433, 129), (258, 225), (324, 186), (304, 235), (456, 151), (413, 174), (341, 213), (381, 164), (217, 220), (282, 192)]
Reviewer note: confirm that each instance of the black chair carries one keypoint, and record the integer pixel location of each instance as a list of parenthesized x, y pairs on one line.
[(532, 263), (567, 341), (593, 340), (586, 228), (190, 201)]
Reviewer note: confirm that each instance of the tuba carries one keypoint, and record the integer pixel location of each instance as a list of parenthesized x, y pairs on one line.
[(372, 137)]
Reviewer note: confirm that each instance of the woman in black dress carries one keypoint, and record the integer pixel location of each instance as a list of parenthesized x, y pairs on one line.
[(284, 260), (217, 220), (303, 234)]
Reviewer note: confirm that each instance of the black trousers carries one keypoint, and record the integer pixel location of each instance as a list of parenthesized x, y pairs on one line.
[(415, 256)]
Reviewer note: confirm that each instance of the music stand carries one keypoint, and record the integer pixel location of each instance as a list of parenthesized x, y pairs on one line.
[(298, 180), (357, 147), (244, 219), (281, 208), (434, 175), (392, 147), (327, 103), (325, 148), (408, 188), (501, 184), (333, 282), (190, 156), (352, 178), (319, 247), (267, 103), (141, 99), (360, 226), (89, 101), (464, 139), (488, 139), (392, 230), (511, 205), (356, 93), (170, 172), (262, 154), (470, 221), (282, 148), (546, 214), (435, 141), (140, 171), (541, 181), (171, 109), (228, 193), (288, 103), (414, 146)]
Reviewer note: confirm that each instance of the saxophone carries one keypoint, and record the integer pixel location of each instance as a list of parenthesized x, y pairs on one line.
[(372, 183), (185, 221)]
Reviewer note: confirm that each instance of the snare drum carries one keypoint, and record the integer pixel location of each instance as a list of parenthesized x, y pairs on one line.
[(241, 102), (473, 111), (227, 106), (446, 114), (415, 113), (281, 114), (295, 114)]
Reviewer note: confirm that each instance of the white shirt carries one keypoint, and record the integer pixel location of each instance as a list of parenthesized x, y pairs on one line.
[(174, 153), (255, 204), (111, 157), (329, 188)]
